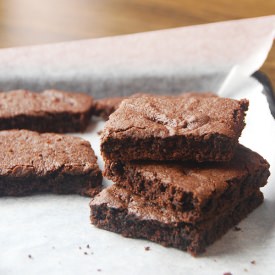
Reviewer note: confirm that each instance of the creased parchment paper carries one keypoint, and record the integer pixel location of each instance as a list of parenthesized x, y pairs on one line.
[(189, 58), (49, 234)]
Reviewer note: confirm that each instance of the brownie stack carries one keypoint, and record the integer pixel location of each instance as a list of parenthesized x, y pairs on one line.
[(181, 178)]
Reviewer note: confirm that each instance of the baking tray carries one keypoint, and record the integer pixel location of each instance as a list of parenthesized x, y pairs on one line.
[(268, 89)]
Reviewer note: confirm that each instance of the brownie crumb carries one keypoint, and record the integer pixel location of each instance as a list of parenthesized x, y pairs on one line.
[(227, 273), (236, 228), (88, 246), (99, 270), (30, 256), (79, 248), (253, 262), (147, 248)]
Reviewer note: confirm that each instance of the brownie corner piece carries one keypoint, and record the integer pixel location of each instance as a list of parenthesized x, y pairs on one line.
[(48, 111), (48, 162), (187, 127)]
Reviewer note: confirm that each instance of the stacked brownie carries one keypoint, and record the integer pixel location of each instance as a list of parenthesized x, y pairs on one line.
[(181, 178)]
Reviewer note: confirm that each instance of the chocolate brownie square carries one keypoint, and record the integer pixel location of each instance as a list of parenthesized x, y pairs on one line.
[(198, 190), (49, 111), (201, 127), (117, 210), (33, 163)]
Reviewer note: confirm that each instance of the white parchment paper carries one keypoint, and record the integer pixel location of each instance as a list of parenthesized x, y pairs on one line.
[(55, 230), (181, 59)]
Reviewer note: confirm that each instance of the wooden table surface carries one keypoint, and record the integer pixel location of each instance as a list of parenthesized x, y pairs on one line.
[(29, 22)]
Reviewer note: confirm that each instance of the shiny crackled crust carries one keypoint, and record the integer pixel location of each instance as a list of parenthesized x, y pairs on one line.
[(195, 190), (117, 210), (49, 111), (203, 127), (31, 162)]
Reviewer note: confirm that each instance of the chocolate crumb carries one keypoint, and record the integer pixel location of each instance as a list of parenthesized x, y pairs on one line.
[(85, 253), (99, 132), (30, 256), (253, 262), (236, 228), (147, 248), (79, 248), (99, 270), (227, 273), (88, 246)]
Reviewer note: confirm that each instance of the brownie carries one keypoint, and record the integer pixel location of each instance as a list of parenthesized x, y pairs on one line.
[(31, 162), (201, 127), (104, 107), (198, 190), (117, 210), (49, 111)]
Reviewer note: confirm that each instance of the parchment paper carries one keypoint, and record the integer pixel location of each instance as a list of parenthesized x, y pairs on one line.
[(189, 58), (49, 234)]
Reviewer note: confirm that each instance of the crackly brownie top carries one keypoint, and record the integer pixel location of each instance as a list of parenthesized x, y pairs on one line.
[(23, 102), (203, 180), (27, 153), (187, 114)]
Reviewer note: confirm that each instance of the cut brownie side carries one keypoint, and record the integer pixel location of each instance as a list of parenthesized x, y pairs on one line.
[(197, 190), (115, 209), (49, 111), (31, 163), (188, 127)]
